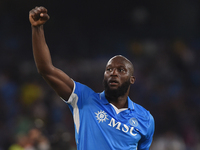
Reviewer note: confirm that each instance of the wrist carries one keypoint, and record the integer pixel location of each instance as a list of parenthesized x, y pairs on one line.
[(38, 27)]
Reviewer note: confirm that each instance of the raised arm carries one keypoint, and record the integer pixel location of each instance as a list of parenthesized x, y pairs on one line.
[(57, 79)]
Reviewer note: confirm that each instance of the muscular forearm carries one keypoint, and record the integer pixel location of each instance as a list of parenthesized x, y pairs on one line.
[(55, 77), (41, 51)]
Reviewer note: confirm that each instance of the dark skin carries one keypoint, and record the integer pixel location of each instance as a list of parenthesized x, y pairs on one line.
[(56, 78), (118, 69)]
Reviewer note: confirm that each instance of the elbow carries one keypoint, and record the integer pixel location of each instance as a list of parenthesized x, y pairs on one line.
[(40, 71)]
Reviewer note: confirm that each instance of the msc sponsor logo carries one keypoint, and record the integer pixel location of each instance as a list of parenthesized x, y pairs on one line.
[(102, 116), (121, 127)]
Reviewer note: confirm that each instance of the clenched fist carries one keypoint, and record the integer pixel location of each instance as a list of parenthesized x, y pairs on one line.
[(38, 16)]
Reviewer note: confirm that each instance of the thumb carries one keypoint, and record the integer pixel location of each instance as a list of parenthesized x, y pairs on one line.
[(44, 16)]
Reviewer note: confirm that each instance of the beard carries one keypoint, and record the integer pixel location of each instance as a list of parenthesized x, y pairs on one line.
[(115, 93)]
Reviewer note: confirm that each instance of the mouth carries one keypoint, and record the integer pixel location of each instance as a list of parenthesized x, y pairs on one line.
[(113, 82)]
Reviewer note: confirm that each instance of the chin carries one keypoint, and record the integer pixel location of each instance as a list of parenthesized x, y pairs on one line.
[(116, 91)]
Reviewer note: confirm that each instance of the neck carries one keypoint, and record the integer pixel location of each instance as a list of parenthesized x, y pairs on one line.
[(120, 102)]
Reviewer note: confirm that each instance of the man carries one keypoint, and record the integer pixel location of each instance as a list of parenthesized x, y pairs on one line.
[(103, 121)]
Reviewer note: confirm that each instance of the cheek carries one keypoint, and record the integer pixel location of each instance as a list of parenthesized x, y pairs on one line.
[(105, 75), (126, 79), (105, 78)]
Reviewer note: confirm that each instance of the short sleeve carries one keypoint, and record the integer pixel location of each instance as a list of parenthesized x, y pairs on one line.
[(145, 142), (77, 100), (78, 96)]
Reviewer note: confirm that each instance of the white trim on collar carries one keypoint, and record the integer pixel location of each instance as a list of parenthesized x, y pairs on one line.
[(118, 110)]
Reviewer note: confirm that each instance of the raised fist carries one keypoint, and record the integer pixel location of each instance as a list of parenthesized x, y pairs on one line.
[(38, 16)]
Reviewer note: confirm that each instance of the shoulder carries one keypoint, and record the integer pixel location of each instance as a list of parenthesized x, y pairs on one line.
[(141, 110), (79, 87), (80, 91), (144, 115), (84, 92)]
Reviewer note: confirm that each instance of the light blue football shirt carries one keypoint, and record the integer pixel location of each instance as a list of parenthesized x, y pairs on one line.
[(99, 127)]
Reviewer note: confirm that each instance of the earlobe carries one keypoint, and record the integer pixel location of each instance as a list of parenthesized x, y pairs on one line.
[(132, 79)]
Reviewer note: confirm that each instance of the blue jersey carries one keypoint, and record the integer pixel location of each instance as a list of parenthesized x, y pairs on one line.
[(99, 127)]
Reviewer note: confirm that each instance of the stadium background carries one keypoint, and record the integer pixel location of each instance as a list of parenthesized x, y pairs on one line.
[(161, 38)]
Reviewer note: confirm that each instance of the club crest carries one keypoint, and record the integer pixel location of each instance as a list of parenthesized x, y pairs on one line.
[(133, 122)]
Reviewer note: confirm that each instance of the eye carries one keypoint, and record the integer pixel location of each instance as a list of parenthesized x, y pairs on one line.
[(121, 70), (109, 69)]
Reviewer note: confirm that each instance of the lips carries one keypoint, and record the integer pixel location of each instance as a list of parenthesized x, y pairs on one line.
[(113, 82)]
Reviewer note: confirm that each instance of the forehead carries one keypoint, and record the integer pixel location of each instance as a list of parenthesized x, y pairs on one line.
[(118, 61)]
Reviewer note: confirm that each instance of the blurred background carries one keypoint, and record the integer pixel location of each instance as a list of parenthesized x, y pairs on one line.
[(161, 38)]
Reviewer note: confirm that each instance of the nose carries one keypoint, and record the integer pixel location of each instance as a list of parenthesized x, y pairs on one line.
[(114, 72)]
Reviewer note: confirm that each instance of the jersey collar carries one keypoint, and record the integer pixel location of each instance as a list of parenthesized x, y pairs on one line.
[(105, 101)]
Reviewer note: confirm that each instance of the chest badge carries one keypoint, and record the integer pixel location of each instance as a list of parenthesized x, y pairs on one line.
[(101, 116), (133, 122)]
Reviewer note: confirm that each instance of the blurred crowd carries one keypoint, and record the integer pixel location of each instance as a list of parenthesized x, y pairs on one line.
[(162, 43), (167, 84)]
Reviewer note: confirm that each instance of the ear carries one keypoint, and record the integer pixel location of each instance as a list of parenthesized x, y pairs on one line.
[(132, 79)]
